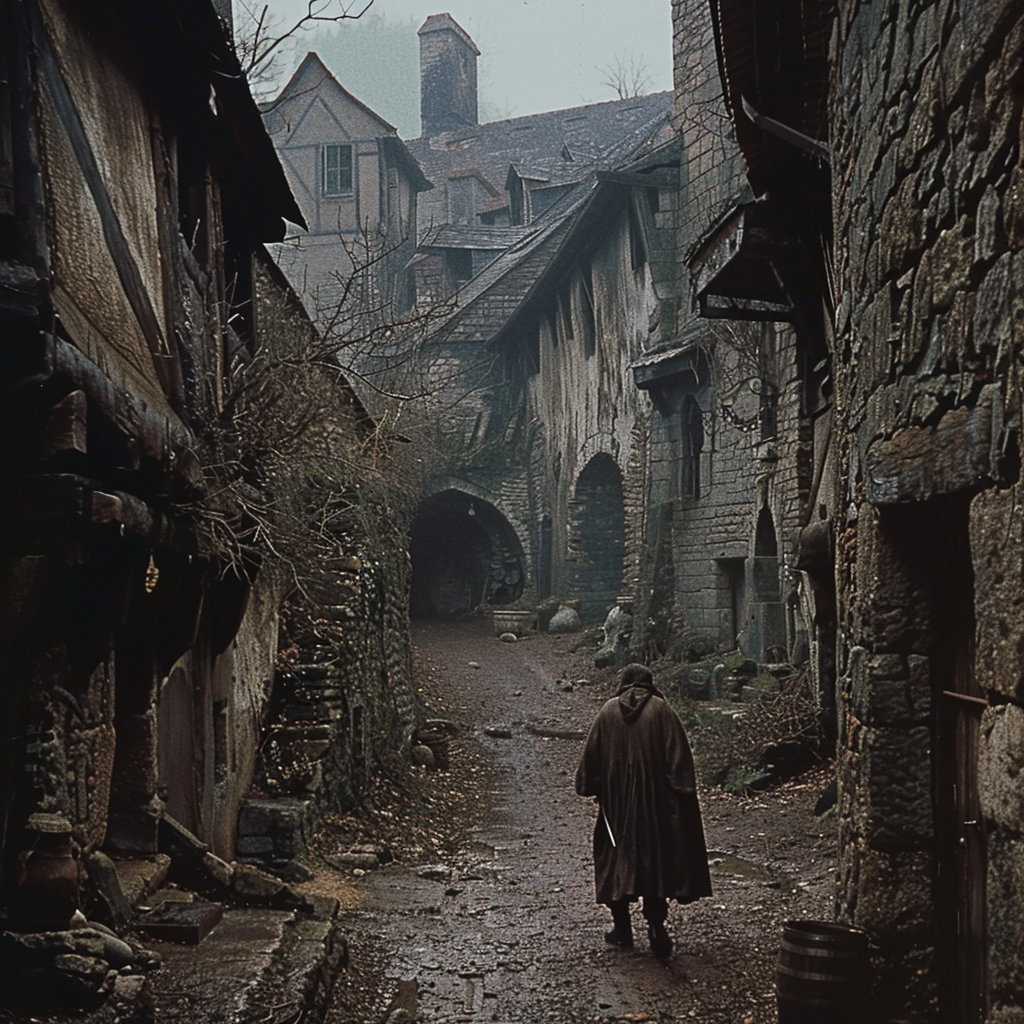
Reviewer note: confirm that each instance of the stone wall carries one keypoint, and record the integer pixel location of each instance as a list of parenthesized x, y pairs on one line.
[(709, 490), (928, 179), (341, 703), (518, 424), (592, 424)]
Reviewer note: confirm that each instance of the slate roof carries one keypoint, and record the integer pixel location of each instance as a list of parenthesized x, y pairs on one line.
[(488, 301), (472, 236), (560, 146)]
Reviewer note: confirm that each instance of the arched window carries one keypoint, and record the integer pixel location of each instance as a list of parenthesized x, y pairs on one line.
[(693, 445)]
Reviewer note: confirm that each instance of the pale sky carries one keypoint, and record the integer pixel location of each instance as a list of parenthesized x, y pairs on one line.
[(538, 55)]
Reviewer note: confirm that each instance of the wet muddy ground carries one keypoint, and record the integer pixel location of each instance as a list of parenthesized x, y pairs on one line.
[(485, 911)]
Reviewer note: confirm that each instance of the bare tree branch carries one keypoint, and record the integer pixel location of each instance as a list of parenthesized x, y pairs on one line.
[(628, 78), (258, 41)]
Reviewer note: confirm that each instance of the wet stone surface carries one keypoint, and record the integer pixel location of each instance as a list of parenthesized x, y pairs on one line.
[(485, 911)]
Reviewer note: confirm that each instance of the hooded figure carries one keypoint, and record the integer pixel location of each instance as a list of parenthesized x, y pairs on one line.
[(648, 838)]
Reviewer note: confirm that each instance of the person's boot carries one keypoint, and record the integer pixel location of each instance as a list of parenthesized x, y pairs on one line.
[(661, 944), (622, 933), (656, 913)]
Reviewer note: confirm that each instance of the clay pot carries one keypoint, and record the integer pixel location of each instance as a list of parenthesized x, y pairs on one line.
[(45, 894)]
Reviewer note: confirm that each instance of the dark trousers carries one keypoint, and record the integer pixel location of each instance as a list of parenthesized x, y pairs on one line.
[(655, 910)]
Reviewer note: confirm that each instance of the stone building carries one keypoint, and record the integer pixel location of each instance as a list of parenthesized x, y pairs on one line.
[(920, 107), (491, 180), (137, 187), (733, 441), (703, 449), (547, 445)]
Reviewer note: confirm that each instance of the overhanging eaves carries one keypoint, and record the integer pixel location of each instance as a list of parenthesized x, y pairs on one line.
[(737, 273)]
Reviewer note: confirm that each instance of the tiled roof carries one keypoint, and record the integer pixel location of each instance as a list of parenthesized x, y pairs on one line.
[(609, 136), (562, 145), (466, 236), (487, 300)]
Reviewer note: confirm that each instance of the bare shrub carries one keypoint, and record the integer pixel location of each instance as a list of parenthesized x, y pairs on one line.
[(775, 734)]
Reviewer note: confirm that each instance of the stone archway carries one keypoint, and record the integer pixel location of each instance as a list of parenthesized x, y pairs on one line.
[(597, 537), (465, 556), (766, 622)]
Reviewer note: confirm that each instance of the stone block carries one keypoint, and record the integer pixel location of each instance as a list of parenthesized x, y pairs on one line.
[(996, 318), (134, 831), (255, 818), (1004, 894), (1001, 767), (997, 529), (219, 870), (565, 620), (894, 894), (987, 227), (895, 775), (919, 463), (1013, 209), (254, 846), (952, 256), (135, 766), (258, 886), (110, 906), (889, 690), (695, 682)]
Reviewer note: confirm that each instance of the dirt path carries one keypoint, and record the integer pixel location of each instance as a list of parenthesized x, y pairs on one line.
[(486, 912)]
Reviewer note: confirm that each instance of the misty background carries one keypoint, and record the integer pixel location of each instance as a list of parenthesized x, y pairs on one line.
[(535, 55)]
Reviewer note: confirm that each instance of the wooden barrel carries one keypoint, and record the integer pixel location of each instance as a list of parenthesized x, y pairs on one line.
[(822, 974)]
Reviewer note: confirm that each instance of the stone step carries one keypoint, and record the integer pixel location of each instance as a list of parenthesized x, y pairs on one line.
[(262, 965)]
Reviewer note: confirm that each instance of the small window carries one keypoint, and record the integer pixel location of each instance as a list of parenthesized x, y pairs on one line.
[(565, 314), (637, 245), (768, 412), (460, 267), (337, 170), (693, 445), (588, 312)]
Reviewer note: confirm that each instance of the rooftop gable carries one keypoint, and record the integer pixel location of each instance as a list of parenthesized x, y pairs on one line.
[(314, 77)]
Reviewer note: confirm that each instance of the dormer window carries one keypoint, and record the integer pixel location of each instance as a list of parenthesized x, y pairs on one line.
[(337, 170), (518, 197)]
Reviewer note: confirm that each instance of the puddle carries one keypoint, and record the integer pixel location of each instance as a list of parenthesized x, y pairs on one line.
[(552, 733), (738, 867)]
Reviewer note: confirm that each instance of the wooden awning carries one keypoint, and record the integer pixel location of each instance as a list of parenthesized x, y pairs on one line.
[(738, 272)]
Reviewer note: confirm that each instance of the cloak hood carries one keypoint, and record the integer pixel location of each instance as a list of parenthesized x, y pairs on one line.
[(636, 687), (632, 701)]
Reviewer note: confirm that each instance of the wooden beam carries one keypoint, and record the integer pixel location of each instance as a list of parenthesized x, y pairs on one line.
[(66, 499), (162, 438), (66, 428)]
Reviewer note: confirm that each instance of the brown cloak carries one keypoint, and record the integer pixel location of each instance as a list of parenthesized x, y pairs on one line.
[(637, 762)]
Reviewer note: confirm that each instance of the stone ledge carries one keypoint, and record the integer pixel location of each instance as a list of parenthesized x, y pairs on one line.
[(257, 964)]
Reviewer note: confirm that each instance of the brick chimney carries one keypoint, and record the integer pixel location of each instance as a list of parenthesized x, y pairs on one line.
[(447, 76)]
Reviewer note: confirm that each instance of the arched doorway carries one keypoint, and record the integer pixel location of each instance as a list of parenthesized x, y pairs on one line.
[(597, 537), (766, 625), (465, 556)]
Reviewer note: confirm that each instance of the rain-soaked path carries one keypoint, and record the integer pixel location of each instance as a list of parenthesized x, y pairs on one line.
[(506, 929)]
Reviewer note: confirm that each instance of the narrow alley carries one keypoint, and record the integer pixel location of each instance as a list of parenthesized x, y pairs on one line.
[(302, 410), (486, 911)]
